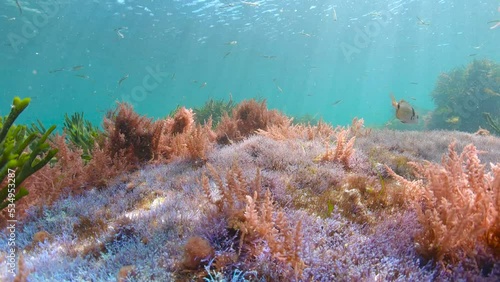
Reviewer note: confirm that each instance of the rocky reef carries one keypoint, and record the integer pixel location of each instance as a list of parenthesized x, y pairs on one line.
[(258, 198)]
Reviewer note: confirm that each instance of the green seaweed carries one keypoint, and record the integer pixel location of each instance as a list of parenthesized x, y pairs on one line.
[(493, 124), (81, 133), (331, 207), (21, 154), (306, 119), (174, 111), (463, 94), (215, 109), (36, 127)]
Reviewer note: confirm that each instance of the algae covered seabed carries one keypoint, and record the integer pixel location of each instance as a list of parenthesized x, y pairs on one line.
[(302, 217)]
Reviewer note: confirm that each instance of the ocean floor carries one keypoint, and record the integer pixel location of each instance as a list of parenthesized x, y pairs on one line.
[(283, 213)]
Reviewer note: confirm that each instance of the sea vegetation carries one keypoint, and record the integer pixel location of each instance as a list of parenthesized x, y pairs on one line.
[(81, 133), (247, 117), (468, 98), (494, 124), (259, 198), (213, 109), (21, 155), (305, 119), (459, 207)]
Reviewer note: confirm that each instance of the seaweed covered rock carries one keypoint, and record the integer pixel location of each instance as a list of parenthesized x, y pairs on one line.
[(468, 98)]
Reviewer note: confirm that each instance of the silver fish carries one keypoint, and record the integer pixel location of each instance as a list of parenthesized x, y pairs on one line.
[(404, 111)]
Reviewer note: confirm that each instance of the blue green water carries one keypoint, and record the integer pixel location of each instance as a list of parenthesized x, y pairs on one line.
[(292, 53)]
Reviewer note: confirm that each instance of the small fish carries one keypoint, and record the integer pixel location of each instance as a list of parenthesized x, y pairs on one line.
[(422, 22), (118, 31), (82, 76), (122, 79), (75, 68), (472, 55), (453, 120), (251, 4), (173, 76), (305, 34), (7, 18), (495, 21), (57, 70), (203, 85), (413, 98), (334, 15), (404, 111), (268, 57), (491, 92), (227, 54), (336, 102), (495, 26), (277, 86), (234, 42), (376, 14), (19, 7), (412, 82)]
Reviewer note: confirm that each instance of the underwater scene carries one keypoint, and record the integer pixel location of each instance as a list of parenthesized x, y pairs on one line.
[(268, 140)]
